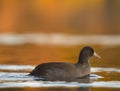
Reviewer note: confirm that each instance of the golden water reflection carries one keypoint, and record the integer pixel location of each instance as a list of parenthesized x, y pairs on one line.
[(31, 54)]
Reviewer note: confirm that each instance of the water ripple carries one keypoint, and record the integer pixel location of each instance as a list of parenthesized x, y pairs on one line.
[(109, 84), (59, 39), (16, 67)]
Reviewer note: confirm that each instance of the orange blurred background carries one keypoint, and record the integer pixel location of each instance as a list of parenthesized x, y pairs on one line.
[(54, 17), (68, 16)]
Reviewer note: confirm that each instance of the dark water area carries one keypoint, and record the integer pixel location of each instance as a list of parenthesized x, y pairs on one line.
[(60, 89), (19, 54)]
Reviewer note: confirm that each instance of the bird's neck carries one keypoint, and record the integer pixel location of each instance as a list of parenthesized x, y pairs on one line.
[(83, 60)]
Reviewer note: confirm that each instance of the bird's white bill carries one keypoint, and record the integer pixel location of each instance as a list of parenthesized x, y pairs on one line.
[(96, 55)]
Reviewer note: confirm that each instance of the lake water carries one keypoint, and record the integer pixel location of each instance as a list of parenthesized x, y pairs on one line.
[(20, 53)]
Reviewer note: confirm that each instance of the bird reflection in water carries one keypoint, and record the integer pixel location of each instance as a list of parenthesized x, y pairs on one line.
[(84, 80)]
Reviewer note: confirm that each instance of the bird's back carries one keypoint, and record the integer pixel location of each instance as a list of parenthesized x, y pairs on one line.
[(55, 71)]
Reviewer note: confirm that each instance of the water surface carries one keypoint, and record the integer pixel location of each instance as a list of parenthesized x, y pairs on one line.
[(9, 78), (20, 53)]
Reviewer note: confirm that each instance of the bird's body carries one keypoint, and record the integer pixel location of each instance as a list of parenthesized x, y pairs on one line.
[(62, 71)]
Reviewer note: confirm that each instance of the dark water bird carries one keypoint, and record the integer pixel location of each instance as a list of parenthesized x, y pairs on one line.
[(63, 71)]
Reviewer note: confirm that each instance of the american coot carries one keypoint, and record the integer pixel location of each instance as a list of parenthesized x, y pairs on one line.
[(62, 71)]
